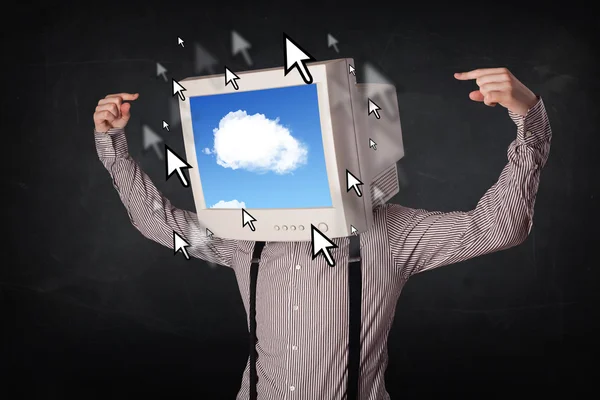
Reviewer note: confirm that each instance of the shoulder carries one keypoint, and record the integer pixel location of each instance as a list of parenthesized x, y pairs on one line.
[(393, 211), (396, 218)]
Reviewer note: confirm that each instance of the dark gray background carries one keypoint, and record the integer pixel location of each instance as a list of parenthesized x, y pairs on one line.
[(91, 308)]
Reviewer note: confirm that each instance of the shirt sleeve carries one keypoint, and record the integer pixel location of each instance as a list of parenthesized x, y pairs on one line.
[(421, 240), (149, 211)]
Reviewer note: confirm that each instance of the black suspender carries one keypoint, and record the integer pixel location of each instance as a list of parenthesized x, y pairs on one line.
[(258, 247), (354, 317)]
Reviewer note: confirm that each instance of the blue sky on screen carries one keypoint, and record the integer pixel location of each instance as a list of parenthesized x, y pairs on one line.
[(261, 149)]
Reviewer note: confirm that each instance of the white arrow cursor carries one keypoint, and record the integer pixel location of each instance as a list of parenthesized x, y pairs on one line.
[(351, 70), (240, 45), (161, 71), (372, 144), (176, 164), (179, 244), (230, 77), (332, 42), (209, 233), (373, 109), (353, 230), (165, 125), (204, 61), (178, 89), (321, 244), (353, 182), (295, 56), (180, 42), (151, 139), (248, 219)]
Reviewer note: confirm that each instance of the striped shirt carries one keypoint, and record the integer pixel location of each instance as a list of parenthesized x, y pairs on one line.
[(302, 304)]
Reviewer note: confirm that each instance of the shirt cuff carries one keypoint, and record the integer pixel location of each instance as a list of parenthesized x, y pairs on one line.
[(533, 128), (111, 144)]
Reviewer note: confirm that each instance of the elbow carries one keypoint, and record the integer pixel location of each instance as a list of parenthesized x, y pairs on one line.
[(143, 223), (521, 237), (152, 232), (517, 232)]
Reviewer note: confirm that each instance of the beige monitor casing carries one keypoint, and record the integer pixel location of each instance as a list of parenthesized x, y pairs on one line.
[(345, 126)]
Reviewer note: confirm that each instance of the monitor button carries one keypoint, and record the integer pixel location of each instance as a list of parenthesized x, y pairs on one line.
[(284, 227), (276, 227), (293, 227), (323, 227), (301, 227)]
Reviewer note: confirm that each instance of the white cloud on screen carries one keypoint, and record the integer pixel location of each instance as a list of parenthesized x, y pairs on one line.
[(229, 204), (256, 143), (206, 150)]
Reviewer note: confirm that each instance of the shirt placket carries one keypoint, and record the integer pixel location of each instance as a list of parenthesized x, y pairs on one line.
[(294, 308)]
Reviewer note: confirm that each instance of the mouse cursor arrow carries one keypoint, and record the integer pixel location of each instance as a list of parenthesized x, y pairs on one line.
[(321, 244), (180, 42), (178, 90), (209, 233), (161, 71), (204, 61), (151, 139), (179, 244), (373, 109), (176, 164), (230, 77), (332, 42), (372, 144), (353, 182), (165, 125), (353, 230), (248, 219), (296, 57), (351, 70), (240, 45)]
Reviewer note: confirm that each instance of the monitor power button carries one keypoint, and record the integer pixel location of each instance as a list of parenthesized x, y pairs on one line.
[(323, 227)]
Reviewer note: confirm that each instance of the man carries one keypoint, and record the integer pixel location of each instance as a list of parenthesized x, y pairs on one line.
[(301, 305)]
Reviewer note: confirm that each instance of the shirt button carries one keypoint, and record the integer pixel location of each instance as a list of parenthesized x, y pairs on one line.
[(295, 308), (298, 266), (528, 134), (292, 388), (294, 347)]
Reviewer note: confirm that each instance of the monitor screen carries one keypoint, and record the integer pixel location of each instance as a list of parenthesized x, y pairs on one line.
[(261, 149)]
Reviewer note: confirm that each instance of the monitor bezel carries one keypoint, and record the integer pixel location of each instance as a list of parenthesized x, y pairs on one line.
[(273, 224)]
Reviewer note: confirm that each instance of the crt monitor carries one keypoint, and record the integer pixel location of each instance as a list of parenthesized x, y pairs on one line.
[(283, 155)]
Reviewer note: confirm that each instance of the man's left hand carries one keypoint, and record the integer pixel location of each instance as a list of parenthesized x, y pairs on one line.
[(499, 86)]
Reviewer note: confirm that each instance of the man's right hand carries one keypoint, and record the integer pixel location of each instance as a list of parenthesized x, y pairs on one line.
[(113, 112)]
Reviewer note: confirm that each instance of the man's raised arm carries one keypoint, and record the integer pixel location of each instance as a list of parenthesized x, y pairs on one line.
[(421, 240), (149, 211)]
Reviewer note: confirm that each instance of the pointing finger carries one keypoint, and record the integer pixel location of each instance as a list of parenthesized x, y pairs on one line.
[(476, 73), (125, 96)]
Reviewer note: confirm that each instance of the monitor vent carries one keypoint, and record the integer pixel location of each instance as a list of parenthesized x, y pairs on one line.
[(385, 186)]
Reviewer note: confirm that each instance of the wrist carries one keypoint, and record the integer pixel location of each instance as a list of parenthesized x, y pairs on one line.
[(532, 101)]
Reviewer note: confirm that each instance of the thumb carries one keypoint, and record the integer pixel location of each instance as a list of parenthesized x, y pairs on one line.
[(125, 114), (476, 95)]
